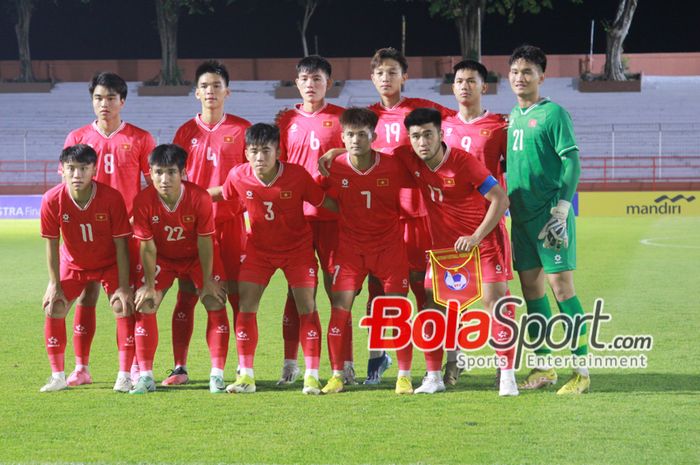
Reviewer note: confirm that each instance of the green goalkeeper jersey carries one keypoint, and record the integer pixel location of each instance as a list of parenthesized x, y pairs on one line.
[(539, 138)]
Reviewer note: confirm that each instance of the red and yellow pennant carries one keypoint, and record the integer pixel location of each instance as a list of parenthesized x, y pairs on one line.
[(455, 276)]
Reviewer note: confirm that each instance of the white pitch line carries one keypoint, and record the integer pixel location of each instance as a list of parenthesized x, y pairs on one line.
[(673, 246)]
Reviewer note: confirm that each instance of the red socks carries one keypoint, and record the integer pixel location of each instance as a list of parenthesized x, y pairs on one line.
[(310, 337), (502, 333), (290, 329), (55, 340), (182, 326), (83, 333), (246, 338), (336, 337), (146, 335), (217, 337), (233, 300), (125, 342)]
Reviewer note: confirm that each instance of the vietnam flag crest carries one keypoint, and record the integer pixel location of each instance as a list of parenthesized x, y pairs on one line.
[(383, 182), (448, 182), (126, 146), (100, 216), (455, 276), (228, 139), (285, 195), (485, 132), (188, 218), (328, 123)]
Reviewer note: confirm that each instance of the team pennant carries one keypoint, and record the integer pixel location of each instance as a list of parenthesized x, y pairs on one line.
[(456, 276)]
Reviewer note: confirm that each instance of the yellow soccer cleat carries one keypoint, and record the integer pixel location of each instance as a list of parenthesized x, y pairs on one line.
[(244, 384), (577, 384), (312, 386), (404, 385), (538, 379), (334, 384)]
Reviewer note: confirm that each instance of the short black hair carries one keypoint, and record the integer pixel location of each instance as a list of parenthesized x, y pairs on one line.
[(261, 134), (529, 53), (388, 53), (421, 116), (358, 117), (313, 63), (80, 153), (474, 66), (111, 81), (211, 66), (167, 155)]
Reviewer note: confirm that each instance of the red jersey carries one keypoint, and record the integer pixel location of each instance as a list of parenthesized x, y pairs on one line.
[(174, 231), (304, 137), (485, 137), (121, 157), (369, 201), (455, 205), (88, 232), (211, 153), (276, 210), (392, 133)]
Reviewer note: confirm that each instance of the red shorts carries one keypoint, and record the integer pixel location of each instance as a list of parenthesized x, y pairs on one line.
[(74, 281), (325, 241), (493, 266), (416, 236), (190, 269), (390, 266), (230, 238), (300, 268)]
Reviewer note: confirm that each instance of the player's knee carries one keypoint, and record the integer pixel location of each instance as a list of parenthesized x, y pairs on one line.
[(56, 309), (211, 303)]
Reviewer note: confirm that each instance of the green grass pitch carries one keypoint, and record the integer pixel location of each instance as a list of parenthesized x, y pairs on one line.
[(630, 417)]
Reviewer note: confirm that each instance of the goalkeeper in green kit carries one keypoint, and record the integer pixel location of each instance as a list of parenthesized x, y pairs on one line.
[(542, 174)]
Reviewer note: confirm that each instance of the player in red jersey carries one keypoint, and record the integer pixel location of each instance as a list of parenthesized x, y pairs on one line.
[(174, 221), (366, 184), (274, 192), (465, 204), (484, 135), (306, 132), (214, 141), (389, 73), (122, 156), (92, 219)]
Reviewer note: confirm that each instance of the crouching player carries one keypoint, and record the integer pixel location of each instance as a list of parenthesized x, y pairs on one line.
[(91, 217), (456, 187), (367, 185), (173, 219), (274, 193)]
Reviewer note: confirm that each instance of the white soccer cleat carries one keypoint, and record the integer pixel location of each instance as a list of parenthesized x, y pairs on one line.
[(507, 387), (54, 384), (430, 385), (123, 384), (290, 373)]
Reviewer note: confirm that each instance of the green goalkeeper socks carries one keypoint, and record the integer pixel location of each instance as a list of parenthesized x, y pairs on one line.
[(540, 306), (572, 307)]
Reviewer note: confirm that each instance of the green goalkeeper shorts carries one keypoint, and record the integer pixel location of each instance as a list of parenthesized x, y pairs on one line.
[(529, 252)]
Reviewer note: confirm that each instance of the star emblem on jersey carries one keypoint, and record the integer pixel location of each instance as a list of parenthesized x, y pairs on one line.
[(327, 124), (140, 331), (52, 342), (228, 139), (242, 335), (155, 219), (485, 132), (100, 217), (335, 331), (188, 218), (65, 218), (285, 195), (126, 146), (532, 123), (449, 182), (382, 182)]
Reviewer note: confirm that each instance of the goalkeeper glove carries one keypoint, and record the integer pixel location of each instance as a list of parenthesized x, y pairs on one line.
[(554, 232)]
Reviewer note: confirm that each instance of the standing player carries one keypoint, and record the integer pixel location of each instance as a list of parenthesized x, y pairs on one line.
[(92, 219), (465, 204), (389, 73), (367, 185), (273, 193), (174, 222), (307, 131), (484, 135), (214, 141), (543, 172), (122, 156)]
